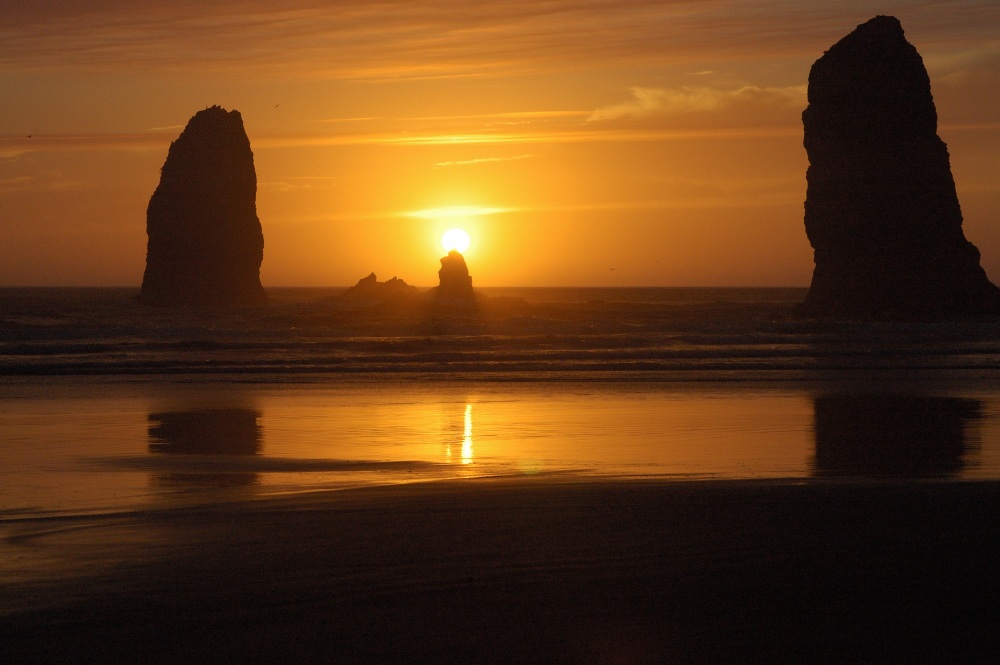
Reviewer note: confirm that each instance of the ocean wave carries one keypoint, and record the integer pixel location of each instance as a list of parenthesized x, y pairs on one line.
[(634, 331)]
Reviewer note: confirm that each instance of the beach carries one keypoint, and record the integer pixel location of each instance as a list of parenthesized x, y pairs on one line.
[(547, 569)]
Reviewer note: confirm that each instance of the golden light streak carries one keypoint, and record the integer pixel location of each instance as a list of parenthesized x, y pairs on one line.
[(152, 141), (510, 115), (452, 212), (484, 160), (467, 438), (19, 144)]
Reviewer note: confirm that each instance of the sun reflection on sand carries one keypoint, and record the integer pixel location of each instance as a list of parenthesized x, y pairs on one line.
[(467, 438), (465, 455)]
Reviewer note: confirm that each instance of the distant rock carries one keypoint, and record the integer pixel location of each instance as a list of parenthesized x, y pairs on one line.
[(454, 278), (881, 210), (370, 289), (205, 241)]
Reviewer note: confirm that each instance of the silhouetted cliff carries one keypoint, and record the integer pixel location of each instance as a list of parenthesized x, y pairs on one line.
[(881, 210), (205, 241)]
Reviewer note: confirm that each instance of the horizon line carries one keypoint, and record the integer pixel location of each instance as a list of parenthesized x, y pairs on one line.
[(419, 286)]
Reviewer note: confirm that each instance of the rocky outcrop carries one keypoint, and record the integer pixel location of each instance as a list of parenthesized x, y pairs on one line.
[(369, 289), (205, 242), (881, 210), (454, 278)]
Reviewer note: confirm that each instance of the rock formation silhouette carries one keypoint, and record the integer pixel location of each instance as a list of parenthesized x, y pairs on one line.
[(370, 289), (881, 210), (455, 283), (205, 241)]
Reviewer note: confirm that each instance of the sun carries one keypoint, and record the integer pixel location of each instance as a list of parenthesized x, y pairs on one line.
[(455, 239)]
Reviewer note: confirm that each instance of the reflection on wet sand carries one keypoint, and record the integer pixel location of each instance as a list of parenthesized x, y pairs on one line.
[(232, 431), (893, 435), (458, 438)]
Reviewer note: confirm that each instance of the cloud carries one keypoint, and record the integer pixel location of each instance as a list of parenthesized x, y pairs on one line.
[(299, 183), (395, 39), (11, 153), (16, 184), (48, 182), (509, 117), (454, 212), (587, 133), (351, 120), (965, 88), (484, 160), (12, 146), (654, 102)]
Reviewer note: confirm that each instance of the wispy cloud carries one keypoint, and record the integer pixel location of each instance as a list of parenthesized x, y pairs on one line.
[(351, 120), (596, 135), (146, 141), (749, 194), (454, 212), (299, 183), (509, 116), (528, 121), (17, 184), (484, 160), (391, 39), (649, 102), (592, 133), (595, 132), (47, 182)]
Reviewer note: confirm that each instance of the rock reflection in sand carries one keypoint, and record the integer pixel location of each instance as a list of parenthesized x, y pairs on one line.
[(231, 431), (893, 435)]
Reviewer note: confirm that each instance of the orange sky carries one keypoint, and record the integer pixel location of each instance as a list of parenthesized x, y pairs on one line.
[(661, 139)]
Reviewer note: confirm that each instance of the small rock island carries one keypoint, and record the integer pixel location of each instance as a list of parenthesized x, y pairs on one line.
[(369, 289), (881, 210), (205, 241), (455, 283)]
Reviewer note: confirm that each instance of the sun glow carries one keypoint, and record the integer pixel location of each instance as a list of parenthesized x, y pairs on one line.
[(455, 239)]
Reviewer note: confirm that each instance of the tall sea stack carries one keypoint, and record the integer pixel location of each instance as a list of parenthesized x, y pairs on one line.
[(881, 210), (205, 240)]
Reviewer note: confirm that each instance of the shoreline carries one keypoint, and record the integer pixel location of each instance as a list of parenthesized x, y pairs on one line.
[(529, 570)]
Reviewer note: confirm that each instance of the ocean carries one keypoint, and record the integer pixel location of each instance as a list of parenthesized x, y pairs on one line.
[(106, 405)]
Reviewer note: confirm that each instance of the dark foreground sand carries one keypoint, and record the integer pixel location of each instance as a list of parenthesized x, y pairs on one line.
[(536, 570)]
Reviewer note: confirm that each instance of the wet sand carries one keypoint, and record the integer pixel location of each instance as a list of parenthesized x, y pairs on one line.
[(532, 570)]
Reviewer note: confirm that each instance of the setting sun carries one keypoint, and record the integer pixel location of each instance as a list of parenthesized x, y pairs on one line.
[(455, 239)]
